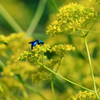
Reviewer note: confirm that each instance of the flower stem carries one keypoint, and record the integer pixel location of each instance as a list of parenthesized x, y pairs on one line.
[(57, 68), (53, 89), (10, 20), (6, 88), (54, 5), (52, 86), (2, 91), (53, 76), (36, 17), (19, 78), (90, 31), (67, 79), (91, 67)]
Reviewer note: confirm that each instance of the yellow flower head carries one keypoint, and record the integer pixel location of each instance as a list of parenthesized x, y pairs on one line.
[(71, 18)]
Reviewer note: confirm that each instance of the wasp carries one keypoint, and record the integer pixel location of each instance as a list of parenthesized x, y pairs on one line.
[(33, 43)]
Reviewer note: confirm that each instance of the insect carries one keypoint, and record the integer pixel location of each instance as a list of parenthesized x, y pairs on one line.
[(33, 43)]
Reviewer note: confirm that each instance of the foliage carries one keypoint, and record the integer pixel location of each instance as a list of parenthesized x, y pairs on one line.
[(69, 60)]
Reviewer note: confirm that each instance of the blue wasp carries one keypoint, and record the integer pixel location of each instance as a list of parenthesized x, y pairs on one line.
[(33, 43)]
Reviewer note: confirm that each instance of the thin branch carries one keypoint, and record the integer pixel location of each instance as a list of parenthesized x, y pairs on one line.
[(36, 17), (67, 79), (10, 20)]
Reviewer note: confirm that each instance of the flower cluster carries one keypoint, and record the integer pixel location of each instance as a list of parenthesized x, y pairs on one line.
[(9, 42), (11, 37), (36, 58), (85, 96), (71, 18), (16, 44), (42, 73), (36, 55), (62, 49), (24, 69)]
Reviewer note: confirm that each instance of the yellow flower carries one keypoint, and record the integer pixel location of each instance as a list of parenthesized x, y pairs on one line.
[(71, 18)]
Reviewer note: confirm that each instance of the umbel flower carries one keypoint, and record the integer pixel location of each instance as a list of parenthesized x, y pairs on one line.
[(85, 96), (62, 49), (71, 18), (10, 42), (37, 56)]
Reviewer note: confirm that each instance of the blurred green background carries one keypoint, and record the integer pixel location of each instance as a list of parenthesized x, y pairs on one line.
[(23, 11)]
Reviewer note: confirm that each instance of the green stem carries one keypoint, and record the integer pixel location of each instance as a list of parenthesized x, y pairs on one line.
[(36, 17), (67, 79), (53, 89), (34, 90), (84, 35), (19, 78), (57, 67), (2, 64), (2, 91), (10, 20), (54, 5), (52, 86), (90, 31), (59, 64), (10, 91), (53, 76), (88, 54), (91, 67), (4, 96), (24, 93)]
